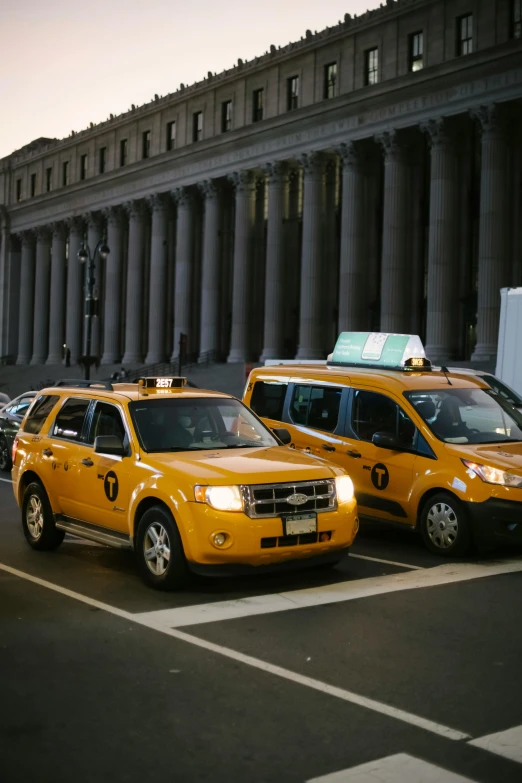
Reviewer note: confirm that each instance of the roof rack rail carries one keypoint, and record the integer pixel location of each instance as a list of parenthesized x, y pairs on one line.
[(80, 383)]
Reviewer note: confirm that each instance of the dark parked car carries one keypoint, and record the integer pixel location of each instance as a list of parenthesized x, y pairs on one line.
[(11, 416)]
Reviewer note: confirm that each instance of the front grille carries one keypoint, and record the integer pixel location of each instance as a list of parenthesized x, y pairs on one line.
[(302, 540), (271, 500)]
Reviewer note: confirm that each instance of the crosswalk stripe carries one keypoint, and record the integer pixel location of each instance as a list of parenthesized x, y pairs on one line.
[(503, 743), (400, 768)]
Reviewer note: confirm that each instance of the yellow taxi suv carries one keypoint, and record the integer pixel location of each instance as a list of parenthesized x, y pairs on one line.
[(428, 449), (191, 480)]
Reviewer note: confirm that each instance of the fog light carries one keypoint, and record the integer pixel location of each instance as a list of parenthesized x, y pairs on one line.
[(219, 539), (325, 537)]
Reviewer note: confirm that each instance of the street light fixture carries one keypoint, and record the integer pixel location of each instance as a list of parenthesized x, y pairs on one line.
[(91, 302)]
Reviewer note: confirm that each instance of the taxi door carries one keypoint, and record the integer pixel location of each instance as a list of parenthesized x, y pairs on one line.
[(315, 417)]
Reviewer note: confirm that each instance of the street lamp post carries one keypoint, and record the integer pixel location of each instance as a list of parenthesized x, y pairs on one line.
[(85, 257)]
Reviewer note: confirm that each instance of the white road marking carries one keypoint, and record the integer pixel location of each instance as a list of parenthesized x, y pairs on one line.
[(448, 573), (400, 768), (388, 562), (256, 663), (7, 481), (503, 743)]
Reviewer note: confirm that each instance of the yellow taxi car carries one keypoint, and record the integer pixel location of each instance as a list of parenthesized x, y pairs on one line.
[(429, 449), (189, 479)]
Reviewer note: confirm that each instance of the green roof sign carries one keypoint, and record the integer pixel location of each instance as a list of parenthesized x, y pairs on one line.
[(379, 349)]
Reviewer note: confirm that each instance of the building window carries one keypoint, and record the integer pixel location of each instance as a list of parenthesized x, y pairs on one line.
[(33, 184), (103, 159), (330, 80), (516, 20), (258, 100), (145, 144), (226, 116), (416, 52), (123, 152), (49, 179), (65, 173), (465, 34), (83, 166), (371, 66), (171, 135), (18, 190), (292, 93), (197, 126)]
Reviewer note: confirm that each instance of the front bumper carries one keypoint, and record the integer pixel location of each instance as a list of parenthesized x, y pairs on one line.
[(496, 521), (239, 569)]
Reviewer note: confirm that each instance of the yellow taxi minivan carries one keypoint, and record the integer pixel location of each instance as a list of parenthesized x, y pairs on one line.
[(426, 448), (189, 479)]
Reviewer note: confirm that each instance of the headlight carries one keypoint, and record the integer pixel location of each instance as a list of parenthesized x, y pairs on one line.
[(494, 475), (344, 487), (220, 498)]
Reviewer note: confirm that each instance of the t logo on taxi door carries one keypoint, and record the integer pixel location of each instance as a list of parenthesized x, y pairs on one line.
[(380, 476), (110, 485)]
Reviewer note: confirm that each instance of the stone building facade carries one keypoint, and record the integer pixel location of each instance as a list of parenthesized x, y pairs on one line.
[(365, 177)]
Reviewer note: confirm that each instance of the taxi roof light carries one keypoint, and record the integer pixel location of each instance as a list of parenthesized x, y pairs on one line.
[(381, 350)]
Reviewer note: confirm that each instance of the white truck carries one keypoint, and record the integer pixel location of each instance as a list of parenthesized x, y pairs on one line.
[(509, 354)]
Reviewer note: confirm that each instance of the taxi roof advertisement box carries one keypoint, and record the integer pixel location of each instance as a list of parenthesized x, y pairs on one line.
[(509, 354), (376, 348)]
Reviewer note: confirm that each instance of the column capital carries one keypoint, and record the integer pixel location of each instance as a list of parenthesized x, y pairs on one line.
[(114, 215), (157, 201), (312, 162), (26, 237), (242, 180), (489, 118), (276, 172), (182, 196), (43, 233), (58, 228), (75, 223), (350, 155), (135, 209), (438, 132), (94, 221), (209, 188), (392, 145)]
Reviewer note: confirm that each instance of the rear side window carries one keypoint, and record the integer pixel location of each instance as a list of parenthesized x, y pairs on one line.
[(268, 399), (39, 413), (70, 420), (316, 406)]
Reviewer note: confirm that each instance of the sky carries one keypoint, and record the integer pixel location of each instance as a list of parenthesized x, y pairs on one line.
[(65, 63)]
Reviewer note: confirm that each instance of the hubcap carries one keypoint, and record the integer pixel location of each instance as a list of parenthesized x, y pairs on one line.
[(156, 547), (442, 525), (34, 517)]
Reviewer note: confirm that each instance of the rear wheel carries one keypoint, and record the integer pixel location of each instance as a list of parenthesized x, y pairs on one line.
[(445, 526), (5, 456), (38, 520), (159, 551)]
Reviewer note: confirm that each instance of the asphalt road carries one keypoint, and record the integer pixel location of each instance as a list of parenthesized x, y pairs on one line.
[(395, 666)]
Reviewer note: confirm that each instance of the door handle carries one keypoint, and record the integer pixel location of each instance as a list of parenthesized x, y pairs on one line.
[(326, 447), (353, 453), (47, 452), (308, 450), (87, 462)]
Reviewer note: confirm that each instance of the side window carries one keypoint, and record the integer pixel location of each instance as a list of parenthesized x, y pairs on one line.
[(373, 412), (106, 420), (504, 392), (70, 420), (39, 413), (316, 406), (268, 399)]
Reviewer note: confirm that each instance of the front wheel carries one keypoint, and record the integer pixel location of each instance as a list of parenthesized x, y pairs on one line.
[(159, 551), (445, 526), (5, 456), (38, 520)]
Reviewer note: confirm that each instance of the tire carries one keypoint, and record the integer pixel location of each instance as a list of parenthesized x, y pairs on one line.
[(157, 534), (445, 525), (38, 519), (5, 456)]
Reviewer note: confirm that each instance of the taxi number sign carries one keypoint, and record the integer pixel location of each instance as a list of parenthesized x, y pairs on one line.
[(163, 383)]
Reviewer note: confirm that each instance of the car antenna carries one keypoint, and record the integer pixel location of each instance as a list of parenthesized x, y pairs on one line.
[(446, 373)]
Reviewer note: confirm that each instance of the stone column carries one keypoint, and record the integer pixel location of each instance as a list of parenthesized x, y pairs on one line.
[(57, 302), (210, 272), (244, 184), (75, 305), (493, 271), (10, 264), (41, 296), (394, 271), (26, 313), (442, 300), (312, 273), (94, 234), (134, 325), (274, 321), (113, 287), (158, 280), (183, 278), (353, 269)]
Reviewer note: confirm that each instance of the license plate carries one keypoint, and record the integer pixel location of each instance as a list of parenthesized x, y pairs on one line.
[(298, 524)]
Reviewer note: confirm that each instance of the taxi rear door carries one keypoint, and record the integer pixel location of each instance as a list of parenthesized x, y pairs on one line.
[(315, 416)]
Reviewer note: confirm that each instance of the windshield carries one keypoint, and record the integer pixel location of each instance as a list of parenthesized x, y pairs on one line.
[(197, 423), (467, 415)]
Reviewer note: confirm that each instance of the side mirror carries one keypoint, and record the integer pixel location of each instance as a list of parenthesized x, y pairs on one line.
[(283, 435), (386, 440), (109, 444)]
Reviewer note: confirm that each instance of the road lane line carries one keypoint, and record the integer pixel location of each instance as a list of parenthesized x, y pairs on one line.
[(7, 481), (399, 768), (388, 562), (448, 573), (256, 663), (504, 743)]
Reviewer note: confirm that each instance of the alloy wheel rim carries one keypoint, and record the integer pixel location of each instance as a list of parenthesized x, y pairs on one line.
[(34, 517), (442, 525), (156, 548)]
